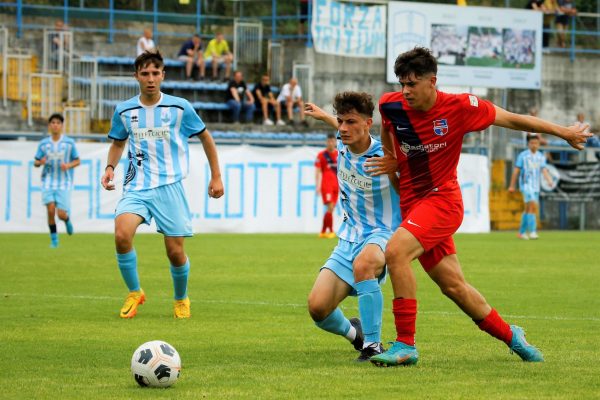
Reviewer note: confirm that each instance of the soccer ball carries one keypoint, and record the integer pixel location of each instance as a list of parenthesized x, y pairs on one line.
[(155, 364)]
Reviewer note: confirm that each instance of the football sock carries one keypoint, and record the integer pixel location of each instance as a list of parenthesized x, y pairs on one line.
[(405, 318), (324, 226), (338, 324), (180, 279), (524, 223), (495, 326), (128, 266), (370, 308), (53, 234), (329, 221), (532, 223)]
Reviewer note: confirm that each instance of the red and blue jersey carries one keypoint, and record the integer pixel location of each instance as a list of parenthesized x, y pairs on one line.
[(327, 163), (428, 143)]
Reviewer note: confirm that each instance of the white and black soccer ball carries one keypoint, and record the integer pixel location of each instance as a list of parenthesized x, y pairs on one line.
[(155, 364)]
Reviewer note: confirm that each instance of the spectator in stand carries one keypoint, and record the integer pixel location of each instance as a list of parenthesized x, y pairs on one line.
[(290, 96), (303, 17), (217, 52), (239, 98), (145, 43), (581, 122), (57, 37), (538, 5), (191, 53), (565, 10), (551, 8), (263, 95)]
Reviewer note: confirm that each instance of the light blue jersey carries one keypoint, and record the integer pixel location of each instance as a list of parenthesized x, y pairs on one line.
[(370, 204), (158, 140), (61, 151), (531, 165)]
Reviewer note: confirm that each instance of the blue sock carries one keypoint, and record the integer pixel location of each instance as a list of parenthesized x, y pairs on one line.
[(128, 266), (180, 279), (532, 223), (370, 308), (524, 223), (336, 323), (54, 237)]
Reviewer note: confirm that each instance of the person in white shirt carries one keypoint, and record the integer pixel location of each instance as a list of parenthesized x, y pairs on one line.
[(145, 43), (290, 96)]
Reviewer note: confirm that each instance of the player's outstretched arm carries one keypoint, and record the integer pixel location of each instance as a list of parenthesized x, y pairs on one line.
[(215, 186), (114, 155), (312, 110), (574, 135)]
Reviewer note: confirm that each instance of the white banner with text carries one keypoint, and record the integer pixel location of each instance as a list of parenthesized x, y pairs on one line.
[(267, 190)]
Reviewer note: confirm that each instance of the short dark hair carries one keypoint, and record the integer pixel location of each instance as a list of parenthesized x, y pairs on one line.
[(57, 116), (532, 136), (360, 102), (147, 58), (331, 135), (418, 62)]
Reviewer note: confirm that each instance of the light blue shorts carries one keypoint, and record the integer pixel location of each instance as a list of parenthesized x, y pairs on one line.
[(166, 204), (531, 195), (61, 197), (341, 259)]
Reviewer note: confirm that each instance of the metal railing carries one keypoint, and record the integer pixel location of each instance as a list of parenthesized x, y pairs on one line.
[(247, 43), (4, 64), (584, 29)]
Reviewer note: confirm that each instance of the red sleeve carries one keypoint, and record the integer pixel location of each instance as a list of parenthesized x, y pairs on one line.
[(318, 162), (384, 120), (479, 114)]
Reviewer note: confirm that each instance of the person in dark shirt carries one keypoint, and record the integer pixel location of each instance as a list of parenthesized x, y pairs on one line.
[(263, 95), (191, 53), (239, 98)]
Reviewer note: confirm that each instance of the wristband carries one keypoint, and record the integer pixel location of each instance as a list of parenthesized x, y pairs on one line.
[(109, 165)]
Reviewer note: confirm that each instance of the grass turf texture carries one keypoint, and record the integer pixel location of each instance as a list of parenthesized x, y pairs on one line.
[(251, 337)]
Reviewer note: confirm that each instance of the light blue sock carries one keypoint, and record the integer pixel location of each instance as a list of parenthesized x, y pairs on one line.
[(335, 322), (370, 308), (524, 223), (532, 223), (180, 279), (128, 266)]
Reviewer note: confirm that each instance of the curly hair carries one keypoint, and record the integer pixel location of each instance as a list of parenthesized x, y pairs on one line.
[(418, 62), (360, 102)]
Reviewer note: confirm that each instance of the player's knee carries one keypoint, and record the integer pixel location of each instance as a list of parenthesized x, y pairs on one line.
[(363, 270), (454, 290), (317, 309), (123, 240)]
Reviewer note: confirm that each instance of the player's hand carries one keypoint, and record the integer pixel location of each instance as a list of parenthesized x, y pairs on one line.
[(385, 165), (318, 191), (577, 137), (314, 111), (42, 161), (215, 188), (64, 166), (107, 179), (511, 189)]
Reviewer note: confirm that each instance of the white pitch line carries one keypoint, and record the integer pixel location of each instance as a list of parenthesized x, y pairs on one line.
[(295, 305)]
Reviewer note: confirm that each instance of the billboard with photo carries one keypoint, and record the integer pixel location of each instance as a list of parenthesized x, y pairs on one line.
[(474, 46)]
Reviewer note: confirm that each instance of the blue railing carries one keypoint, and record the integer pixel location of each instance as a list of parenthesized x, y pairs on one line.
[(197, 19)]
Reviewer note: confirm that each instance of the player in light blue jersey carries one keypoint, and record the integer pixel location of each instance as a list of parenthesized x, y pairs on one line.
[(356, 267), (529, 167), (58, 154), (158, 127)]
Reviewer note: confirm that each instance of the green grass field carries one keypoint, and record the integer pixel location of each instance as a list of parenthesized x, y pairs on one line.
[(250, 336)]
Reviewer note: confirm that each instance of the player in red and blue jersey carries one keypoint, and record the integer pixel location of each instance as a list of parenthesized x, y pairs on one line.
[(427, 127), (327, 184)]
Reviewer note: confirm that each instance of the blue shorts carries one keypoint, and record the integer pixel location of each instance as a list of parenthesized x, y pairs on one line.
[(166, 204), (60, 197), (531, 195), (341, 259)]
